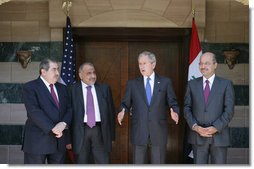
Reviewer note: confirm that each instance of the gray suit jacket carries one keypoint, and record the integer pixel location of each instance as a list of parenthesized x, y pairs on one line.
[(107, 113), (218, 112), (149, 121)]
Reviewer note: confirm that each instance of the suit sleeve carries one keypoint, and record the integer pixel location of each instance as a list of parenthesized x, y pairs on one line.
[(171, 97), (188, 115), (111, 113), (126, 101), (228, 111), (34, 112)]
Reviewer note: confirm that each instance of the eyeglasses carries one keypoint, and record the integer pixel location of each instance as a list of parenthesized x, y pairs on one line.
[(205, 64)]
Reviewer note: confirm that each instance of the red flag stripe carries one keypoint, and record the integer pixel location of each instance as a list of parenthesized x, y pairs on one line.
[(195, 46)]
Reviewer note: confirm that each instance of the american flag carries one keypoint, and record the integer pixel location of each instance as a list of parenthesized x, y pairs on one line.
[(69, 59)]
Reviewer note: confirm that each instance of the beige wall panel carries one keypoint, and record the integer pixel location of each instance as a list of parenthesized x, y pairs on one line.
[(178, 11), (97, 6), (57, 18), (5, 31), (45, 31), (210, 33), (237, 75), (130, 4), (13, 11), (240, 118), (246, 32), (37, 11), (228, 32), (238, 12), (57, 34), (129, 18), (5, 113), (18, 114), (158, 6), (217, 10), (20, 75), (25, 31), (238, 156), (5, 72)]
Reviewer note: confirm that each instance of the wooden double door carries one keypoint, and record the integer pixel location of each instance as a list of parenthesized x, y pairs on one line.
[(116, 62)]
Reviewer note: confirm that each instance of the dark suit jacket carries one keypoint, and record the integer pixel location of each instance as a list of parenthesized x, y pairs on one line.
[(107, 113), (149, 121), (218, 112), (42, 116)]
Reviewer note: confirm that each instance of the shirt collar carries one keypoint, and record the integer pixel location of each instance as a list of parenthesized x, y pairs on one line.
[(152, 76), (211, 79), (45, 82)]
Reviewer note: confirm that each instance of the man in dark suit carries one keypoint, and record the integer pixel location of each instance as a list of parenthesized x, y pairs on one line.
[(47, 117), (93, 126), (208, 109), (150, 97)]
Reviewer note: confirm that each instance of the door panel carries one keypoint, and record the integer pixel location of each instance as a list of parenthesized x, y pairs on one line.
[(111, 63), (115, 63)]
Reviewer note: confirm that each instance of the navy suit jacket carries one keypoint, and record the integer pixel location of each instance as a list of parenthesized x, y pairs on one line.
[(107, 113), (149, 121), (42, 115), (218, 112)]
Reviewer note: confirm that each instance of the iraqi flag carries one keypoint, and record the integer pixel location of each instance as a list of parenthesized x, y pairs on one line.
[(195, 54)]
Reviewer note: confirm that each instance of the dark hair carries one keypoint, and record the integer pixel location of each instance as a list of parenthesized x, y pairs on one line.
[(84, 64), (45, 64)]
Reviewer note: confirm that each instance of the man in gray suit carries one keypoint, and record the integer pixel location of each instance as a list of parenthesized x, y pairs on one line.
[(93, 125), (150, 97), (208, 109)]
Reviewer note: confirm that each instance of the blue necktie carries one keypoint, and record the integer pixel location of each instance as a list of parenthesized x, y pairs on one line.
[(148, 91)]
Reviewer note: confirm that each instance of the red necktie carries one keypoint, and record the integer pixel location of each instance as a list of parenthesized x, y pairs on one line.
[(54, 94), (206, 91)]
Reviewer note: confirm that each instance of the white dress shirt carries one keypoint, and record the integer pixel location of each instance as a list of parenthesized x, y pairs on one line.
[(211, 79), (152, 78), (47, 85), (95, 100)]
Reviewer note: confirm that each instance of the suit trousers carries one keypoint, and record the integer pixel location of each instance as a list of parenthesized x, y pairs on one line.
[(92, 145), (202, 153), (57, 158), (157, 155)]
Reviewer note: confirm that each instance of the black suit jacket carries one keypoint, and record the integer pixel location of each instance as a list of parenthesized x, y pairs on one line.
[(149, 121), (107, 113), (218, 112), (42, 116)]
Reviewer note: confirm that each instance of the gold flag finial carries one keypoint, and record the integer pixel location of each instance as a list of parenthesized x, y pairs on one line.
[(66, 6), (193, 12)]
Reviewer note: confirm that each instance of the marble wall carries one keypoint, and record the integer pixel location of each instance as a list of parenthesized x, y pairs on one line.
[(13, 113)]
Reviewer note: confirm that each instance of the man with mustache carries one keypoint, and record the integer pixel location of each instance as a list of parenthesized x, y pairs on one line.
[(48, 115), (208, 109), (149, 98), (93, 124)]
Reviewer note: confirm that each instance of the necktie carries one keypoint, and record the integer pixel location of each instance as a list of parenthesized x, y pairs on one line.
[(206, 91), (90, 108), (53, 94), (148, 91)]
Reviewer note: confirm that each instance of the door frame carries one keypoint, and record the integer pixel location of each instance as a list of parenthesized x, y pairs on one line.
[(178, 35)]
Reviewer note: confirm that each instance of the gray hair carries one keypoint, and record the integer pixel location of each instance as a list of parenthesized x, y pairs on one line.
[(150, 55), (45, 64), (84, 64)]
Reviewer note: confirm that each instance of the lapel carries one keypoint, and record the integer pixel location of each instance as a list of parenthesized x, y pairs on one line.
[(100, 97), (214, 89), (80, 98), (155, 88), (141, 88), (200, 90), (43, 88)]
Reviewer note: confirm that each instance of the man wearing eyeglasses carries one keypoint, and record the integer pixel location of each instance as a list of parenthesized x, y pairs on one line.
[(208, 109)]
